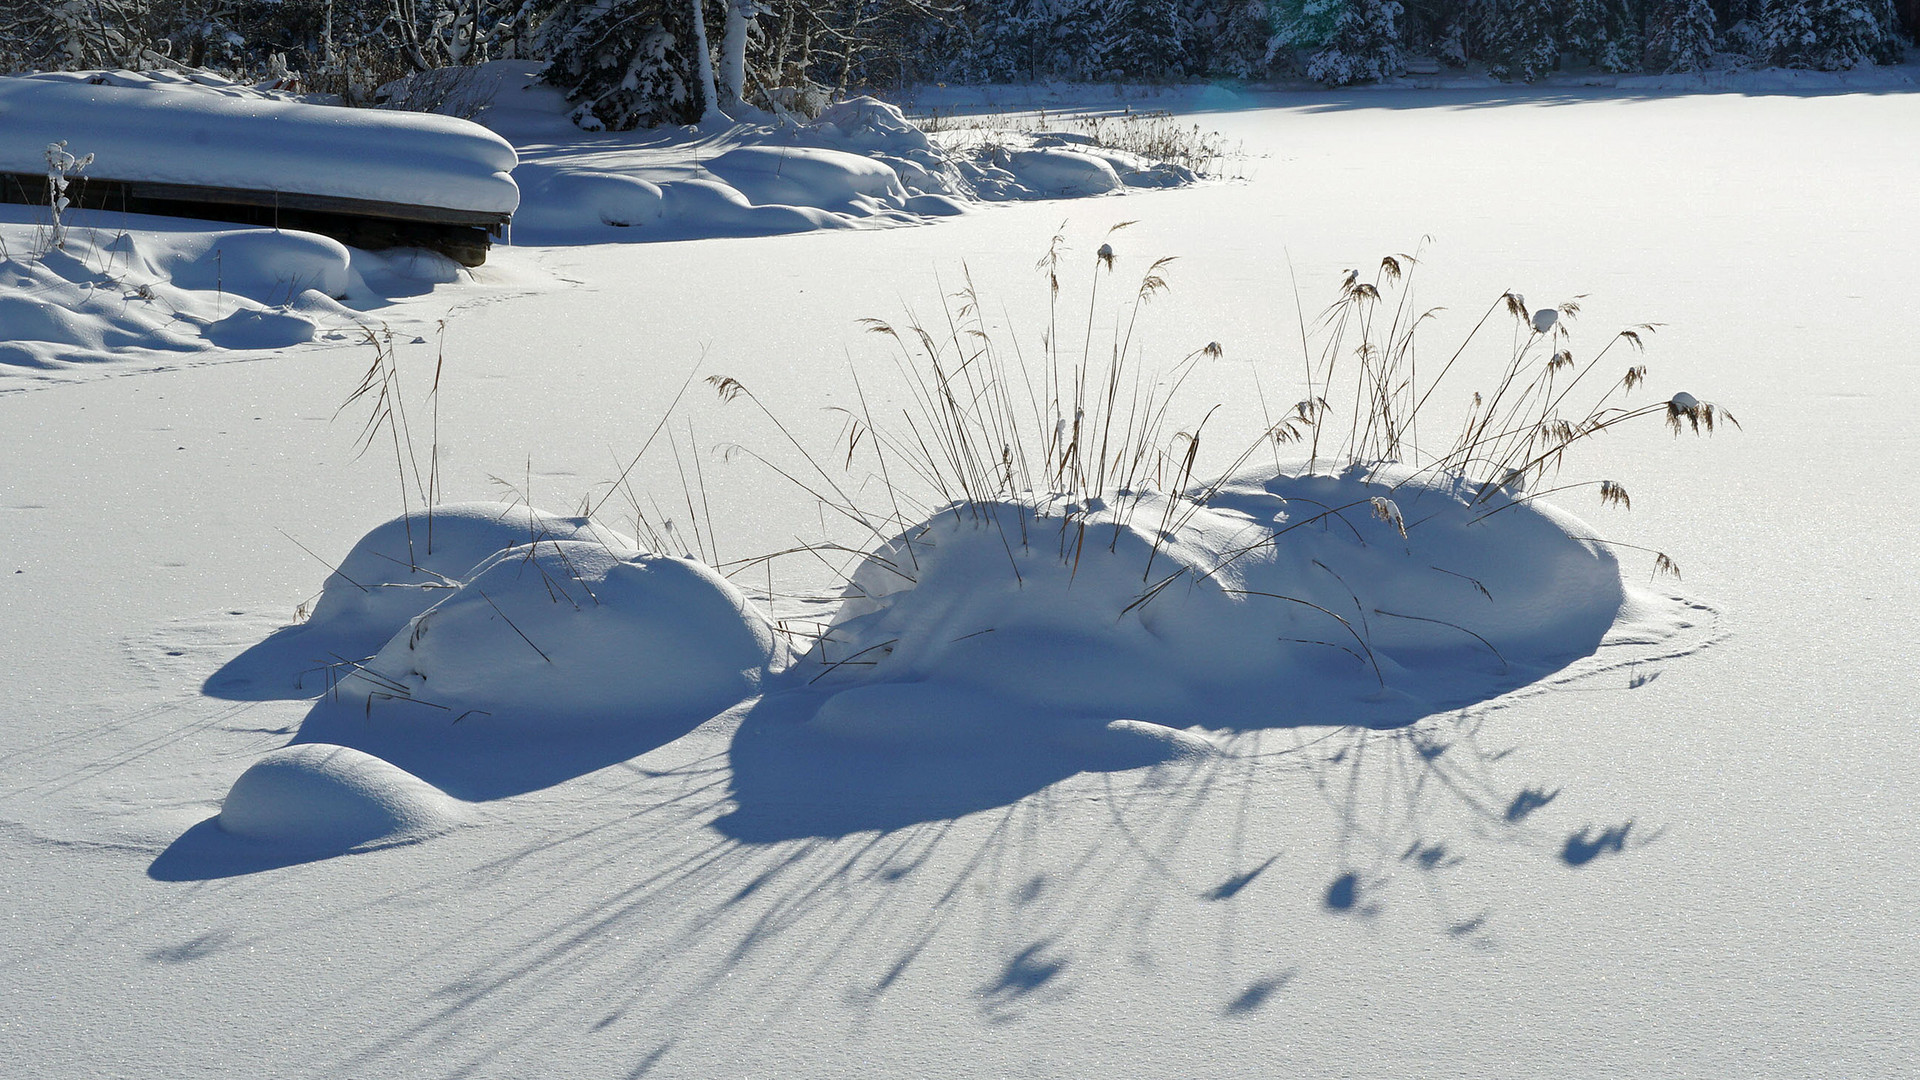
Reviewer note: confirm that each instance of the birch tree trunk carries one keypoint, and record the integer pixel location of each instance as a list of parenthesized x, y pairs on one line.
[(733, 53), (703, 66)]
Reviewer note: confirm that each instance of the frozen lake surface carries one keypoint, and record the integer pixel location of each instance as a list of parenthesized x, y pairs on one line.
[(1687, 858)]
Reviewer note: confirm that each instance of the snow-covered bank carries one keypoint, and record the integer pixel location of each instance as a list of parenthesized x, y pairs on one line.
[(86, 286), (128, 290), (860, 163)]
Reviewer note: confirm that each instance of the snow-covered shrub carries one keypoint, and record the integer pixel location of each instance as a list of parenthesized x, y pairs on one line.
[(62, 167)]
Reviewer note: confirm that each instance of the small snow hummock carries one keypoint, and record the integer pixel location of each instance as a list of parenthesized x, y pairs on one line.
[(568, 633), (328, 799), (408, 564), (496, 620)]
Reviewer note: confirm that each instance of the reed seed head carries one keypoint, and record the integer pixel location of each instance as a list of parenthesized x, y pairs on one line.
[(1389, 511)]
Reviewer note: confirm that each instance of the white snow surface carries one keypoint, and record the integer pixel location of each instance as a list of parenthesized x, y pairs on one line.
[(257, 143), (1686, 853)]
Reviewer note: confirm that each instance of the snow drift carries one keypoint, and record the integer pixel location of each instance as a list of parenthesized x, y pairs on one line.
[(861, 163)]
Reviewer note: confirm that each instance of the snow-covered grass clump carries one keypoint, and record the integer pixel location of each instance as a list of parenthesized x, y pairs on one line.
[(1054, 567), (407, 565), (511, 619), (1277, 597), (490, 648), (562, 633)]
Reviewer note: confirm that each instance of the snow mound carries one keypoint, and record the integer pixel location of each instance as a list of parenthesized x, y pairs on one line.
[(318, 797), (609, 198), (194, 81), (1060, 172), (1278, 599), (809, 176), (558, 632), (405, 566), (260, 264)]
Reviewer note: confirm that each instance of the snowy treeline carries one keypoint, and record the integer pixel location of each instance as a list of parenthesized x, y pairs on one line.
[(629, 63), (1347, 41)]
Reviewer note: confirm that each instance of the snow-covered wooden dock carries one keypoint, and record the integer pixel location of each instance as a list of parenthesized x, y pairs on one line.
[(370, 178)]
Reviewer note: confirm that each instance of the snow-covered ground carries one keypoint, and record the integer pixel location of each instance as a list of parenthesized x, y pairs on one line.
[(1686, 854)]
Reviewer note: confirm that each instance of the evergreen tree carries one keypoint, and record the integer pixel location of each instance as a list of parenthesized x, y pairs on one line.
[(625, 63), (1683, 36), (1305, 24), (1140, 39), (1003, 42), (1832, 35), (1230, 38), (1606, 32), (1433, 28), (1364, 45), (1521, 39)]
